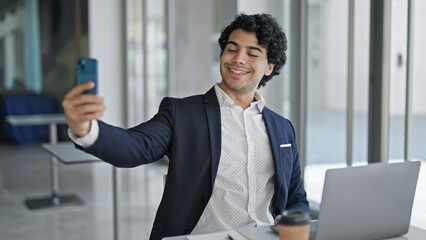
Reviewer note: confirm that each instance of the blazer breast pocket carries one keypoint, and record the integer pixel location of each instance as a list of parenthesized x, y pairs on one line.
[(286, 152)]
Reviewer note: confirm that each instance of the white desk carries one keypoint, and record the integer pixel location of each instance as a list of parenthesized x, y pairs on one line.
[(54, 200), (265, 233), (67, 153), (37, 119)]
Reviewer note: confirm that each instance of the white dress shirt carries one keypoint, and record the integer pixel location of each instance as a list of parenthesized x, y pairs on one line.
[(244, 185)]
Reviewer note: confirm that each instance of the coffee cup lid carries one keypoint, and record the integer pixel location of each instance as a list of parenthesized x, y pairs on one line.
[(294, 217)]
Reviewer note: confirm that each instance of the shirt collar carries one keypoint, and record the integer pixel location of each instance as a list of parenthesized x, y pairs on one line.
[(225, 100)]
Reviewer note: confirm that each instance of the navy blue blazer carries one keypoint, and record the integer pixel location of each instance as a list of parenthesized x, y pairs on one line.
[(188, 131)]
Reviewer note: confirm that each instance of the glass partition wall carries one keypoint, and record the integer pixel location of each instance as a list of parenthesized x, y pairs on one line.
[(146, 45), (328, 102), (417, 72)]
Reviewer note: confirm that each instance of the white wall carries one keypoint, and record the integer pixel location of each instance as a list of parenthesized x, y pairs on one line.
[(335, 53), (252, 7), (106, 35), (419, 71), (191, 51), (398, 46)]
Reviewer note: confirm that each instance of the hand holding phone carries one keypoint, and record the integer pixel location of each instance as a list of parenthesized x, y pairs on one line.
[(87, 70), (81, 110)]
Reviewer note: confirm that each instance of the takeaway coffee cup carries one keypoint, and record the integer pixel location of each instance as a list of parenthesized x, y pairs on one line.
[(294, 225)]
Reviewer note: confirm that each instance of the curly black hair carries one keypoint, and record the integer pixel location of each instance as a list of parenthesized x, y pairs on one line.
[(269, 34)]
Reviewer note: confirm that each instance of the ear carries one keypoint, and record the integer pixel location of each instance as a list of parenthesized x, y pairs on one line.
[(269, 69)]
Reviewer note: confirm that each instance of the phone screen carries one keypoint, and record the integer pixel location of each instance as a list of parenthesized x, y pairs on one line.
[(87, 70)]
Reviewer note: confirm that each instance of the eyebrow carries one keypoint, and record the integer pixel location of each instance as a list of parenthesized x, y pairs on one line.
[(249, 47)]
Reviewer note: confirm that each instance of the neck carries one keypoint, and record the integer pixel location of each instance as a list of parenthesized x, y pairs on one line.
[(241, 99), (243, 102)]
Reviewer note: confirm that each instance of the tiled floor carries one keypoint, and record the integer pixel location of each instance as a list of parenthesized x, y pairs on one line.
[(25, 173)]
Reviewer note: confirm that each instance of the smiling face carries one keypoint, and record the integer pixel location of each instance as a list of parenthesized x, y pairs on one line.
[(243, 64)]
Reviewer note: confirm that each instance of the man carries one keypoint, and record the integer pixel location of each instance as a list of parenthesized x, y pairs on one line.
[(232, 162)]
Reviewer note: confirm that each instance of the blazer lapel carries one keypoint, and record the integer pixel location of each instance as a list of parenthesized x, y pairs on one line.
[(211, 106), (271, 127)]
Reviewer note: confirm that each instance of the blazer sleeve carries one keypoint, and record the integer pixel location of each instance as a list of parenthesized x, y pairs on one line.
[(138, 145)]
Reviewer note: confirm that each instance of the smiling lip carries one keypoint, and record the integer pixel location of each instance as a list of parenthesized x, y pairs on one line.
[(238, 71)]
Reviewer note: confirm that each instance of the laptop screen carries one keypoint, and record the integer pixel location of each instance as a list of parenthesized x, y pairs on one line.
[(367, 202)]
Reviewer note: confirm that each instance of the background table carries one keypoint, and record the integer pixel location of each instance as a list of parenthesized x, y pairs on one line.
[(54, 200), (67, 153)]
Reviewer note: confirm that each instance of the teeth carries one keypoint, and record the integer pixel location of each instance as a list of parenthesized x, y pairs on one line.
[(237, 71)]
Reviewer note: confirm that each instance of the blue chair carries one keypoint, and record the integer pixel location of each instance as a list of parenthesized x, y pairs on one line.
[(27, 104)]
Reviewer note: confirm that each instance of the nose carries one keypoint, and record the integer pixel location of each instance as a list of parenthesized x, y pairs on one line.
[(239, 58)]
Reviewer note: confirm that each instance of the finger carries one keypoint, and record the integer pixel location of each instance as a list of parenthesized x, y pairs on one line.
[(79, 120), (89, 108), (71, 103), (79, 89), (277, 219), (90, 116), (87, 99), (77, 113)]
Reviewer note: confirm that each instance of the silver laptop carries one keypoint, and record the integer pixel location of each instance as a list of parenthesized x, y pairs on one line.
[(367, 202)]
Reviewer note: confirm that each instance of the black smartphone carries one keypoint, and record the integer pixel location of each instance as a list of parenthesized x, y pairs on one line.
[(87, 70)]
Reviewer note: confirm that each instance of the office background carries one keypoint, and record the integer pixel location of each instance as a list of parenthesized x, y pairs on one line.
[(344, 87)]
